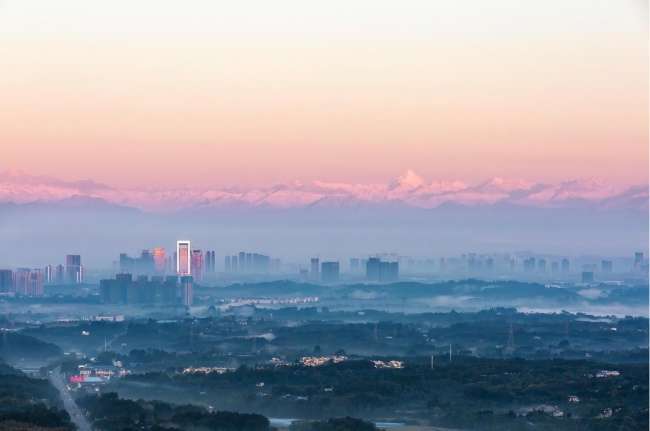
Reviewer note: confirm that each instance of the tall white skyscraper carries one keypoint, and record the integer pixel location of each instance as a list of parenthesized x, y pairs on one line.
[(183, 266)]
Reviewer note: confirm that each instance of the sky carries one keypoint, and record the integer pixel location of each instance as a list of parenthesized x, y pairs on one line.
[(253, 92)]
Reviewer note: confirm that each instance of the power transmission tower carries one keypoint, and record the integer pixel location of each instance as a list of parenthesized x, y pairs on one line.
[(511, 338)]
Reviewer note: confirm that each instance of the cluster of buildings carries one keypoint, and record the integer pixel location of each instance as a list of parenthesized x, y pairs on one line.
[(184, 260), (160, 289), (30, 281), (251, 263), (389, 364), (314, 361)]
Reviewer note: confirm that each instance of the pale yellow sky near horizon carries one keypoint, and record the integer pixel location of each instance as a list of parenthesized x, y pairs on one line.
[(256, 92)]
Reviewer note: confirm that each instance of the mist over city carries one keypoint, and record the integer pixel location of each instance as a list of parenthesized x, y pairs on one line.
[(324, 216)]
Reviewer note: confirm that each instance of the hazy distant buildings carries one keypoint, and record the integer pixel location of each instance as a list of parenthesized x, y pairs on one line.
[(159, 264), (606, 267), (28, 282), (638, 262), (226, 264), (187, 291), (555, 267), (196, 265), (145, 264), (183, 264), (242, 261), (354, 264), (249, 262), (541, 266), (6, 281), (73, 267), (529, 264), (330, 272), (48, 274), (59, 271), (234, 263), (587, 276), (565, 265), (125, 290), (378, 270), (314, 268)]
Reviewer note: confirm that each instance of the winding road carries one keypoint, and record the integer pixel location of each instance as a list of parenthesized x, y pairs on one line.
[(72, 408)]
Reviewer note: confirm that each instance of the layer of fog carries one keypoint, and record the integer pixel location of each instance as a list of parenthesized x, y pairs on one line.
[(34, 236)]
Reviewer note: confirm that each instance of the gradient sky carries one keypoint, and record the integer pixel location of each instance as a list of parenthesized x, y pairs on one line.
[(257, 92)]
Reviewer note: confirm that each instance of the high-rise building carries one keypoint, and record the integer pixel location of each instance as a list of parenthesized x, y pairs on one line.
[(124, 289), (169, 265), (226, 264), (565, 265), (183, 264), (80, 275), (249, 262), (196, 265), (372, 269), (234, 263), (394, 271), (541, 265), (242, 261), (145, 264), (187, 290), (73, 263), (48, 274), (28, 282), (529, 264), (555, 267), (587, 276), (303, 276), (638, 261), (354, 264), (6, 281), (213, 261), (606, 266), (58, 273), (330, 272), (159, 263), (314, 268)]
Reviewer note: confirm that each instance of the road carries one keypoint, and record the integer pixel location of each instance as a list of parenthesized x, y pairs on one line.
[(72, 408)]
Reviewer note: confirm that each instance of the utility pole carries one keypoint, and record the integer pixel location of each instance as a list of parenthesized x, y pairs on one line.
[(432, 362), (450, 353)]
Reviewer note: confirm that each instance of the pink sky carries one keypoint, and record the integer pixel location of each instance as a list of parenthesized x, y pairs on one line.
[(257, 92)]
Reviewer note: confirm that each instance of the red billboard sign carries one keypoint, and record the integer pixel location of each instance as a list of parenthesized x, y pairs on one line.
[(76, 379)]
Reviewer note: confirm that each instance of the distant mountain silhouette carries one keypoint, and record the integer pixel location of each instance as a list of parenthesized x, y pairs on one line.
[(408, 190)]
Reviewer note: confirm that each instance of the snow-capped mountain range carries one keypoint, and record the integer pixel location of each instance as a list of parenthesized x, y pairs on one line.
[(408, 190)]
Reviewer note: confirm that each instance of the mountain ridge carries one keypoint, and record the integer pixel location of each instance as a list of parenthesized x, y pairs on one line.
[(409, 190)]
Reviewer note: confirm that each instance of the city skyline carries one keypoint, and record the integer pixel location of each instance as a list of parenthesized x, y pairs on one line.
[(336, 92)]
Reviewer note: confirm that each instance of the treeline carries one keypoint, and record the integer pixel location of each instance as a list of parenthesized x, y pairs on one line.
[(333, 424), (27, 403), (15, 346), (111, 413), (449, 394)]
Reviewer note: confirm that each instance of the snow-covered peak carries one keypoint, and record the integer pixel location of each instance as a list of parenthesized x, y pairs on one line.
[(408, 189), (504, 185), (408, 179)]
